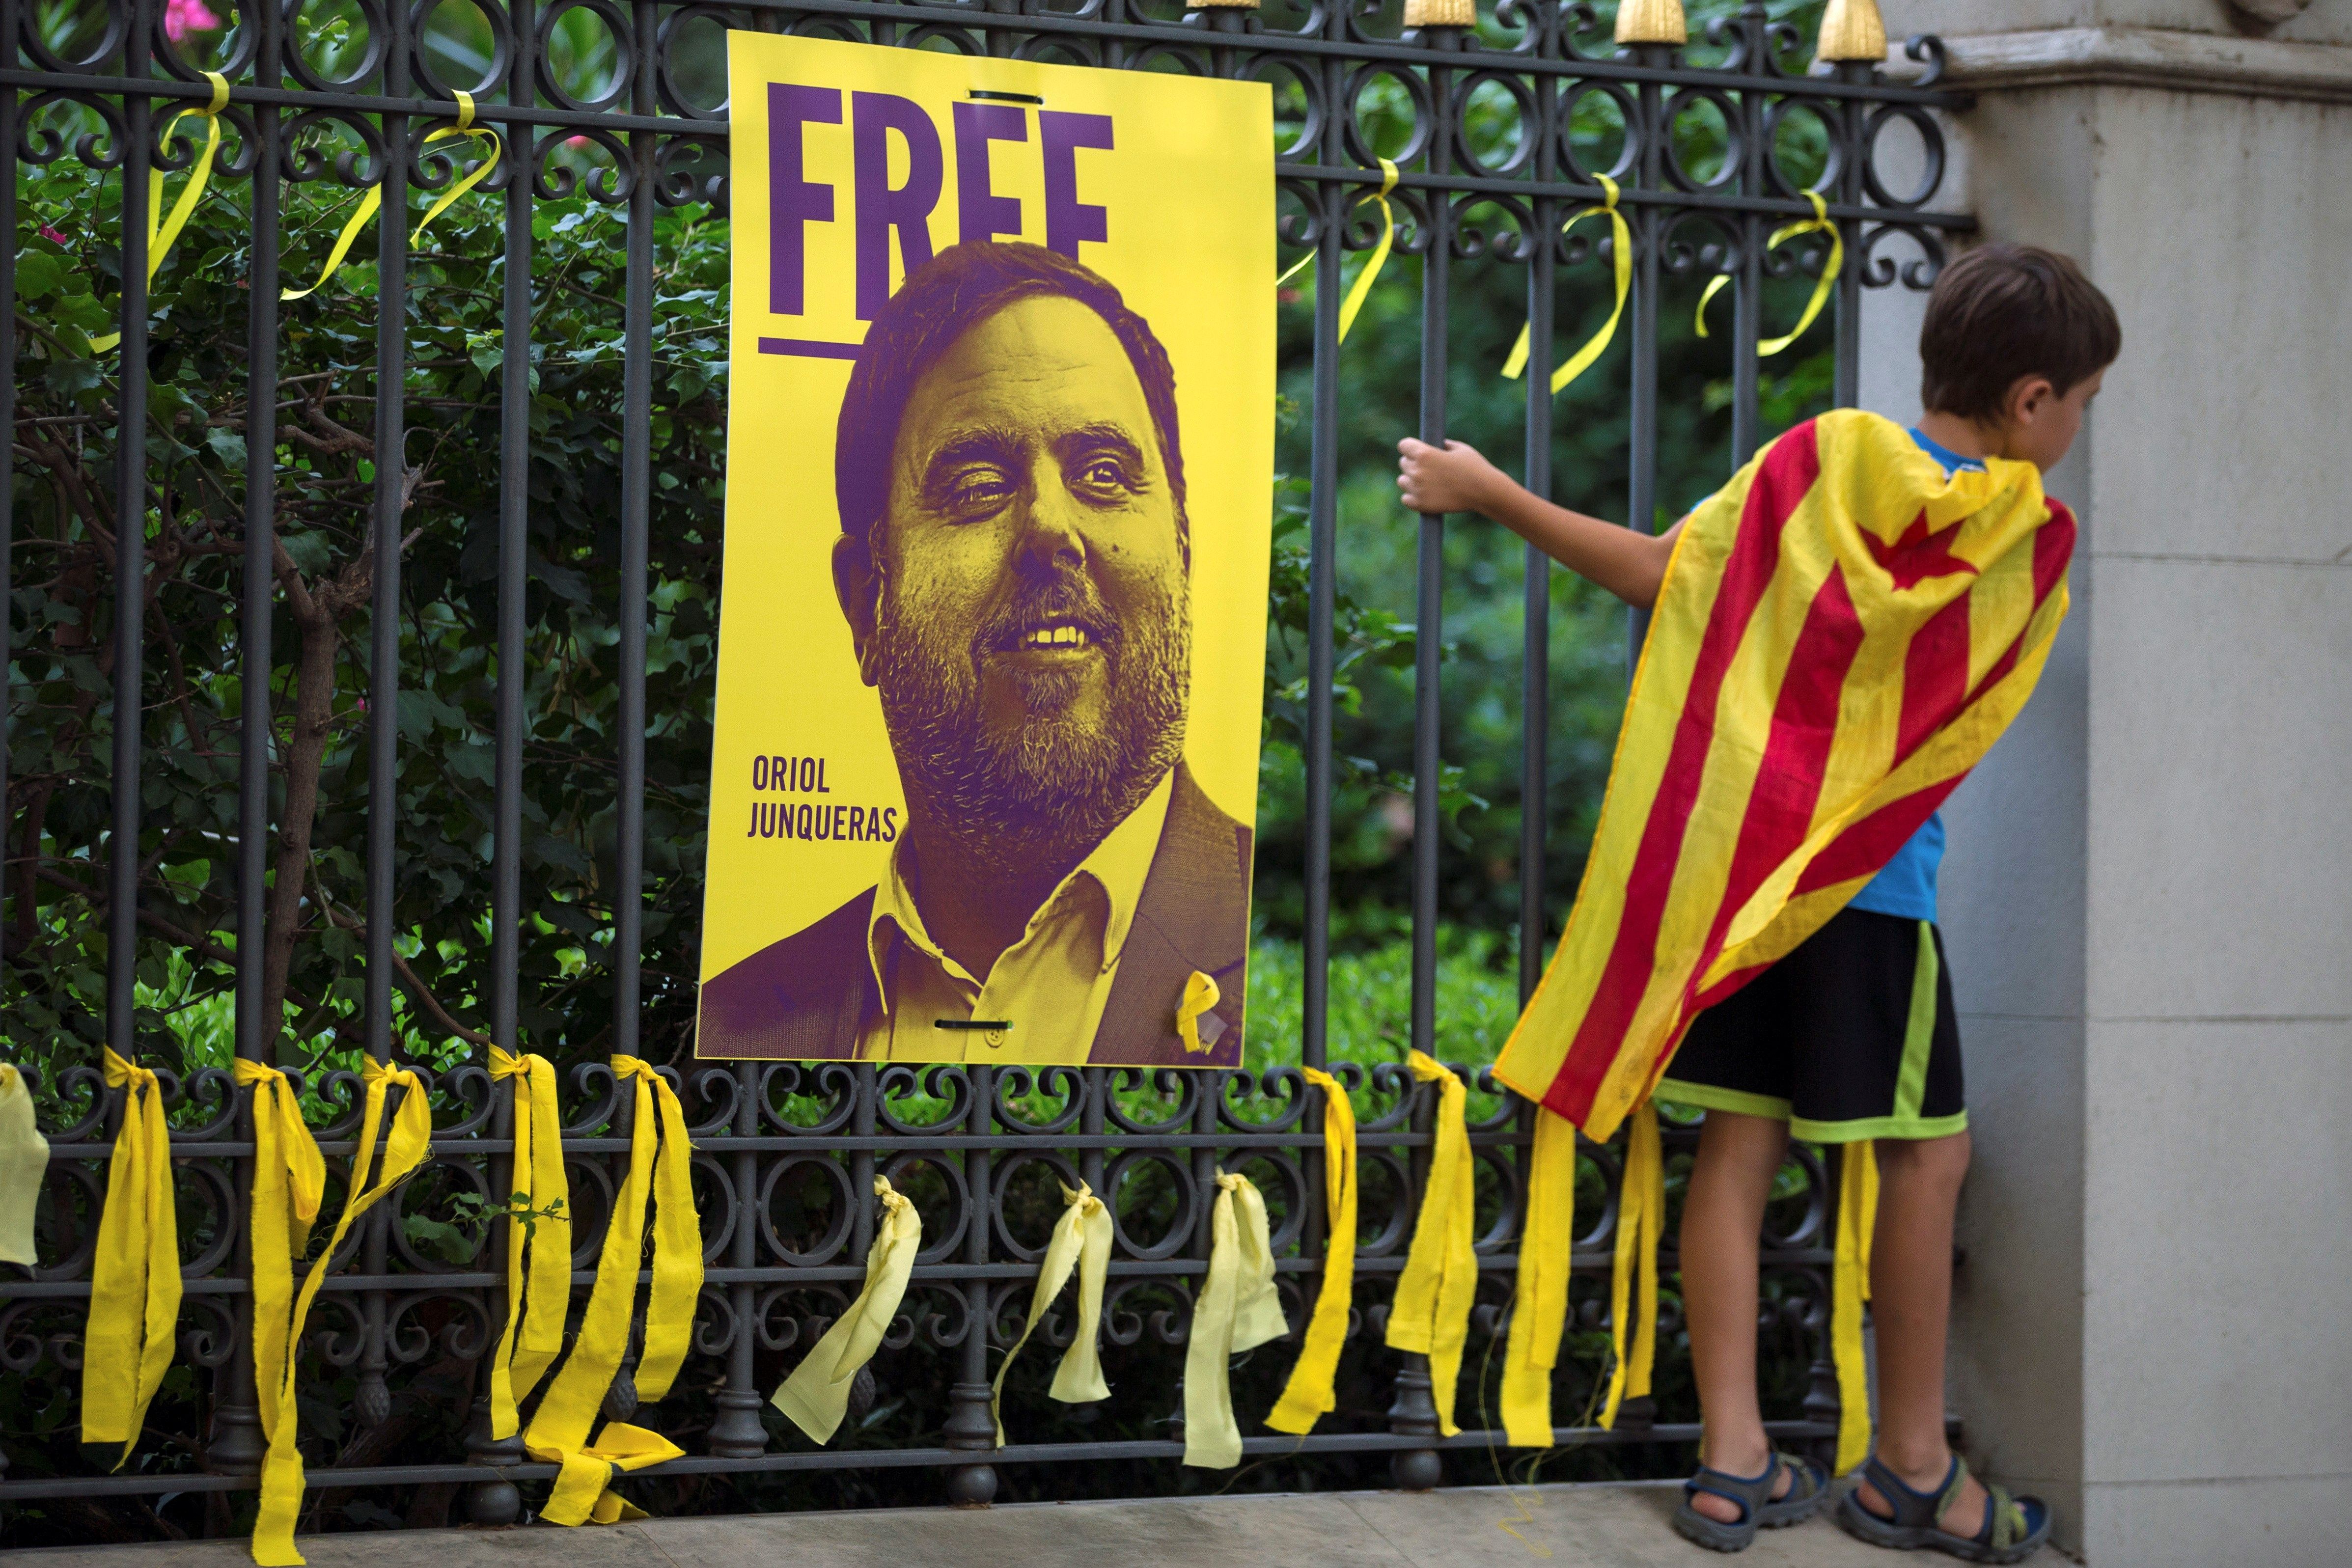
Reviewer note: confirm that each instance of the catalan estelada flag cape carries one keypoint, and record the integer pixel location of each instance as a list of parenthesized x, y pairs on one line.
[(1842, 631)]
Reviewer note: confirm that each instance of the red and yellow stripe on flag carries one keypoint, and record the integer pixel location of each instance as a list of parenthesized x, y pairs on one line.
[(1842, 631)]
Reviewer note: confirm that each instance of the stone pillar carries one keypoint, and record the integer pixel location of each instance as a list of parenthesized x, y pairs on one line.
[(2149, 895)]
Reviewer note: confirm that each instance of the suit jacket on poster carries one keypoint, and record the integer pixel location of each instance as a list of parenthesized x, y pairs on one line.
[(811, 995)]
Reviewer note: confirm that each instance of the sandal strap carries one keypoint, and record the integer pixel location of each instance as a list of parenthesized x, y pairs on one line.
[(1913, 1509), (2004, 1524), (1954, 1484), (1747, 1493)]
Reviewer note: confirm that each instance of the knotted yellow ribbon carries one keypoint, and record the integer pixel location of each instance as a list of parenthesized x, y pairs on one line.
[(1641, 1220), (1237, 1310), (1818, 224), (410, 1141), (1081, 1240), (1540, 1306), (23, 1167), (290, 1180), (559, 1429), (1433, 1295), (162, 232), (1310, 1393), (1622, 259), (135, 1280), (816, 1396), (534, 1333), (373, 197), (1199, 995), (1362, 286), (1849, 1289)]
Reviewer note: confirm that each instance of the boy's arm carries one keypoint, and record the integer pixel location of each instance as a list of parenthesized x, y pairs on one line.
[(1455, 479)]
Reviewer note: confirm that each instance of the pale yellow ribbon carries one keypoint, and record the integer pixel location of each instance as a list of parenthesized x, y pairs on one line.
[(1311, 1392), (290, 1181), (405, 1148), (1621, 260), (1818, 224), (1849, 1289), (661, 1167), (1431, 1314), (134, 1282), (162, 232), (1362, 286), (1238, 1310), (373, 197), (534, 1333), (1200, 996), (1641, 1221), (1081, 1240), (816, 1396), (23, 1167), (1540, 1305)]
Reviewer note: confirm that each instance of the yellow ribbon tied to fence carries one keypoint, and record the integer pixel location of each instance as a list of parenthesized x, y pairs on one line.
[(290, 1181), (135, 1280), (1849, 1289), (1432, 1311), (816, 1396), (1820, 223), (23, 1167), (1081, 1242), (660, 1165), (1540, 1306), (1621, 254), (373, 197), (162, 232), (1641, 1221), (404, 1148), (1238, 1310), (1362, 286), (539, 1261), (1310, 1393)]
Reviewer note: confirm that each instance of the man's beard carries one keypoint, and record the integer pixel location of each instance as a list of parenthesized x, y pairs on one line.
[(1044, 779)]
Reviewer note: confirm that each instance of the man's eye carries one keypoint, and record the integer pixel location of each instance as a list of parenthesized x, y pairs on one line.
[(976, 490), (1105, 476)]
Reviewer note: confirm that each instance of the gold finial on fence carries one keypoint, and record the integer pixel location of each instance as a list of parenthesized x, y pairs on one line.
[(1221, 4), (1441, 12), (1652, 22), (1852, 30)]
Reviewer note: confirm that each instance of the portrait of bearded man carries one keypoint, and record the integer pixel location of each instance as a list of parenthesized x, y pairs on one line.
[(1014, 565)]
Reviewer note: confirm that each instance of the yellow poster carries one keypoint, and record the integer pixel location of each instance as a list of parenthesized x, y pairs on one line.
[(1000, 455)]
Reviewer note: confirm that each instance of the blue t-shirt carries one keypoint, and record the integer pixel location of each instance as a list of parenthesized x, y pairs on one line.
[(1906, 885)]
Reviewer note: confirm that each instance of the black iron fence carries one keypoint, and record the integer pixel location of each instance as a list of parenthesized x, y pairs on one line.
[(1483, 119)]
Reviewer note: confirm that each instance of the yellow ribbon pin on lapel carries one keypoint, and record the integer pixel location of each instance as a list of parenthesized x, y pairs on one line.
[(816, 1396), (1433, 1295), (1237, 1309), (1081, 1242), (1200, 995), (134, 1283), (23, 1167)]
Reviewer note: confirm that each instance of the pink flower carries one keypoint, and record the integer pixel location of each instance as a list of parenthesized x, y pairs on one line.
[(575, 141), (185, 16), (51, 234)]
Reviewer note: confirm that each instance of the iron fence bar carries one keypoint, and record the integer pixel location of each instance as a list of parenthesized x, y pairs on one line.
[(1846, 372), (1648, 226), (1747, 324), (130, 562), (9, 106)]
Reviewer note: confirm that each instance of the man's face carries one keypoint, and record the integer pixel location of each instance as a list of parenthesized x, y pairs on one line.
[(1031, 626)]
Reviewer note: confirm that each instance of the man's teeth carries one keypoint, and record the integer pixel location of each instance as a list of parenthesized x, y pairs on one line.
[(1056, 637)]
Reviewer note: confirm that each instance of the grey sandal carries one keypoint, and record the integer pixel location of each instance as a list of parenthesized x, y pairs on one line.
[(2014, 1527), (1752, 1495)]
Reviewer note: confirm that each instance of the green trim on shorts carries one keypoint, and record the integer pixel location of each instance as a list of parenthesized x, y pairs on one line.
[(1919, 1029), (1709, 1097), (1908, 1128)]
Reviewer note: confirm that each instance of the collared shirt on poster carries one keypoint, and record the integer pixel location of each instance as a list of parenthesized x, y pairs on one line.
[(1050, 985)]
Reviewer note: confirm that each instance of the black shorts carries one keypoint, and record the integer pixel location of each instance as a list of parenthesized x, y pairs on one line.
[(1851, 1036)]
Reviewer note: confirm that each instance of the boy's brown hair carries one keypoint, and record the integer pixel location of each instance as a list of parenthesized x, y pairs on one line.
[(2002, 311)]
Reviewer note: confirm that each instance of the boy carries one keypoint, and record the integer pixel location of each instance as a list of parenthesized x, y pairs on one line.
[(1828, 1043)]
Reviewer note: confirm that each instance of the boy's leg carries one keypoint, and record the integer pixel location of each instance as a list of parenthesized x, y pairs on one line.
[(1911, 1305), (1723, 1214)]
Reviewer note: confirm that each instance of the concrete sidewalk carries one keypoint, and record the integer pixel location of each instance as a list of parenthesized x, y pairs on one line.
[(1604, 1526)]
